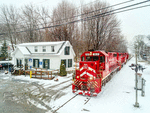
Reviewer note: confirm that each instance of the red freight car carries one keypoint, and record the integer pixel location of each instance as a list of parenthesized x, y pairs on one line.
[(94, 70)]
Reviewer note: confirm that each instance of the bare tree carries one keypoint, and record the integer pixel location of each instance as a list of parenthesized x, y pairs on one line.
[(64, 13), (138, 44), (10, 17), (30, 23), (44, 21), (102, 31)]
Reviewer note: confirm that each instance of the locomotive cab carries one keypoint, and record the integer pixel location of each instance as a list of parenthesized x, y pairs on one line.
[(97, 58)]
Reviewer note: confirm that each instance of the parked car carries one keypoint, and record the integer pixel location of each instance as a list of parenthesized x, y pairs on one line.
[(5, 65)]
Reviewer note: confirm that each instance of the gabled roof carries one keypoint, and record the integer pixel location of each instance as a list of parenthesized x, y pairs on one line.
[(41, 43), (25, 51)]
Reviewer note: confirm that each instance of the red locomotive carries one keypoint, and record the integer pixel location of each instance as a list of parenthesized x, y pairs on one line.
[(95, 70)]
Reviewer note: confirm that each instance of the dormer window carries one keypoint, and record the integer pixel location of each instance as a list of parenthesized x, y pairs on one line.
[(52, 49), (36, 48), (67, 50), (44, 48)]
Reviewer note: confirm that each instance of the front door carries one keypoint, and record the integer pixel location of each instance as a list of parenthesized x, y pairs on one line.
[(46, 63), (26, 64), (36, 63)]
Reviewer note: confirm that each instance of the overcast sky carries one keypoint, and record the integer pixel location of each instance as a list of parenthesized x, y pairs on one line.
[(135, 22)]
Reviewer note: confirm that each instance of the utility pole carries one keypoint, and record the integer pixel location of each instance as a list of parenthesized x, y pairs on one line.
[(136, 93)]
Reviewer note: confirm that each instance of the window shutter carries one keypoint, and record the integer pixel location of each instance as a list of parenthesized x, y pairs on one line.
[(38, 62), (43, 63), (17, 62), (65, 50), (33, 62)]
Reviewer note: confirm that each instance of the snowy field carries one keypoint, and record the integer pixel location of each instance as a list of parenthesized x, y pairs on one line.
[(117, 96)]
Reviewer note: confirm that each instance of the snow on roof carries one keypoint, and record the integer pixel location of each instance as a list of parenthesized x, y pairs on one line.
[(24, 50), (6, 61), (42, 43)]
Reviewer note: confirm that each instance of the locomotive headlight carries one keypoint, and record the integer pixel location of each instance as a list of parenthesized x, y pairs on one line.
[(95, 54), (91, 78), (77, 76)]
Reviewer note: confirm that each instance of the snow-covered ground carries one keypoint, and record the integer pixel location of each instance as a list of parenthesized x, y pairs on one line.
[(117, 96)]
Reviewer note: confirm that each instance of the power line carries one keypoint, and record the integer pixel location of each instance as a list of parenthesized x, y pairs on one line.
[(97, 15), (88, 12), (122, 8), (97, 10), (78, 7), (92, 17)]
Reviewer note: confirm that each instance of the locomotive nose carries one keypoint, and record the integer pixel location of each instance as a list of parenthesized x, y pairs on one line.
[(87, 71)]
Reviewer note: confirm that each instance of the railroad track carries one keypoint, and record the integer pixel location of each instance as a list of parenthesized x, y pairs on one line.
[(65, 103), (86, 101), (60, 83)]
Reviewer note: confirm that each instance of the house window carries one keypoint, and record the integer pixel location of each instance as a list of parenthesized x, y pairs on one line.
[(69, 63), (64, 62), (19, 63), (36, 48), (44, 48), (52, 49), (67, 50)]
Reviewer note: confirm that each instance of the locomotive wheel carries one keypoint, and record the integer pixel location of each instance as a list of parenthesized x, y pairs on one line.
[(92, 89), (83, 87), (76, 87)]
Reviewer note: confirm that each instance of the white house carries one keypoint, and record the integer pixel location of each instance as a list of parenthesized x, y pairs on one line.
[(44, 55)]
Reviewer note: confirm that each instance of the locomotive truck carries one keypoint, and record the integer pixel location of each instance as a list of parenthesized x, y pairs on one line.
[(95, 69)]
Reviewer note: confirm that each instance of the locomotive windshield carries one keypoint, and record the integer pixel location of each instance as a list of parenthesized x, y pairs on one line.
[(93, 58), (102, 59)]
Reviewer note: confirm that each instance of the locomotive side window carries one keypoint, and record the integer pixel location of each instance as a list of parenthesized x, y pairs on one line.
[(82, 58), (102, 59), (88, 58), (114, 55)]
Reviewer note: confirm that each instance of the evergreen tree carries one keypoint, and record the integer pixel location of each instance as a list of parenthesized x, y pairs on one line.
[(62, 69), (4, 51)]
